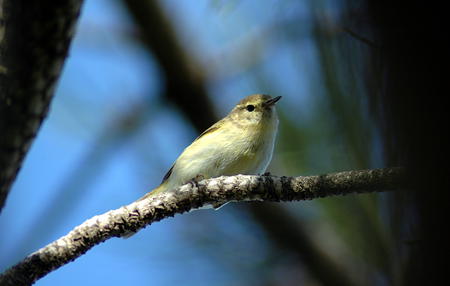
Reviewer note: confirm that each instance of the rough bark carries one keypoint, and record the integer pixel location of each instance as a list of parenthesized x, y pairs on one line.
[(137, 215), (34, 41)]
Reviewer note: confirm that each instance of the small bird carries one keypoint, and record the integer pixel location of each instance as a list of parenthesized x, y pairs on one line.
[(240, 143)]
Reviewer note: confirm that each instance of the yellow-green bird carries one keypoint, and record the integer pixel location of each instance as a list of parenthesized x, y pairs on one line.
[(240, 143)]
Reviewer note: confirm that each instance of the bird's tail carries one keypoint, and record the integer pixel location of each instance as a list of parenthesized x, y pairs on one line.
[(153, 192)]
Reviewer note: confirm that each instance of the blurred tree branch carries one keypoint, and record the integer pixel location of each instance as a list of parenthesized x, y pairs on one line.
[(278, 224), (139, 214), (184, 82), (34, 41)]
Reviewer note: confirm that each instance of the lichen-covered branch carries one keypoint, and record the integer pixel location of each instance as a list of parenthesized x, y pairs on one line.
[(34, 41), (215, 191)]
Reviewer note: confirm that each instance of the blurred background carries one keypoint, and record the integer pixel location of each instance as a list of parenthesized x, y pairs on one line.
[(143, 79)]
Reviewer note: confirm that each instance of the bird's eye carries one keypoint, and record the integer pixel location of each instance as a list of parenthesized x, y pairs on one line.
[(250, 107)]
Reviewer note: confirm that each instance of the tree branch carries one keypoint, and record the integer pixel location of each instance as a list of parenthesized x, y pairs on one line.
[(137, 215), (34, 41)]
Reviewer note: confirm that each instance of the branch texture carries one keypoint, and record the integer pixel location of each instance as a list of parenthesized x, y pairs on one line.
[(137, 215), (34, 42)]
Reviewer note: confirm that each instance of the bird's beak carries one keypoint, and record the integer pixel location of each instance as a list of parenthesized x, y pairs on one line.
[(272, 101)]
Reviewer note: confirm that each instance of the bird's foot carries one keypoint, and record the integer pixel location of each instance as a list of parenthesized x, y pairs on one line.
[(194, 181)]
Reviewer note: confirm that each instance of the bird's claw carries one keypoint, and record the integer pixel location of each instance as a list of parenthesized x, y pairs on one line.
[(194, 181)]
